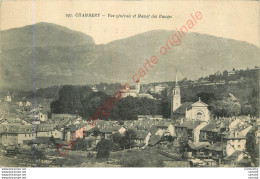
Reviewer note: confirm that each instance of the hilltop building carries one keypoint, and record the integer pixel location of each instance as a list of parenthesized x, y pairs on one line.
[(136, 92)]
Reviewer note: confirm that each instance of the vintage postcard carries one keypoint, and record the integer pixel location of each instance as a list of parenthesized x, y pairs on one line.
[(129, 83)]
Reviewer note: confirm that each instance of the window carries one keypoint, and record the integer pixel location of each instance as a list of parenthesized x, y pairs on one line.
[(24, 135), (200, 115), (239, 146)]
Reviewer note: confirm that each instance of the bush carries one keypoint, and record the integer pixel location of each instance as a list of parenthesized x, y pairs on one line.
[(103, 148)]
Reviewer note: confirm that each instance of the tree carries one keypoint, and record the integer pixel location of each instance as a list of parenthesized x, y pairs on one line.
[(52, 140), (206, 97), (127, 141), (49, 115), (116, 138), (104, 148), (34, 155), (225, 107)]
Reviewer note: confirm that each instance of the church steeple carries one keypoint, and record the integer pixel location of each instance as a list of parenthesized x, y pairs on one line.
[(176, 98)]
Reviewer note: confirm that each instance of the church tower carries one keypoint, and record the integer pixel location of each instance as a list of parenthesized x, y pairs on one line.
[(176, 96), (137, 86)]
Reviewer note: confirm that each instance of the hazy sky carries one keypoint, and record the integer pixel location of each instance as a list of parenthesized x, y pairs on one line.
[(237, 20)]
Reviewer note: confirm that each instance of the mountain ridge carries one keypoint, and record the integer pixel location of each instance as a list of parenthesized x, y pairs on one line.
[(60, 62)]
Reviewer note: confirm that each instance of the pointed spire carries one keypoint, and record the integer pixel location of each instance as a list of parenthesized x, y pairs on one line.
[(176, 80)]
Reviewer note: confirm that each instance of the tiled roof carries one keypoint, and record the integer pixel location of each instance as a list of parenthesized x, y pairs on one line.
[(190, 124), (45, 127), (218, 146), (153, 129), (211, 127), (154, 140), (107, 130), (234, 155), (199, 103), (26, 129), (198, 145), (164, 124), (9, 129), (143, 126), (234, 135), (183, 107), (141, 134)]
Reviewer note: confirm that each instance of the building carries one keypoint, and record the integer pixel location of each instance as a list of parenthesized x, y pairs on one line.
[(235, 141), (176, 96), (8, 97), (42, 117), (136, 92), (48, 130), (26, 133), (198, 110), (189, 130), (133, 92), (9, 134), (141, 139)]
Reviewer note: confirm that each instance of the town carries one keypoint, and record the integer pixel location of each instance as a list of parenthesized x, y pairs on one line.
[(153, 125)]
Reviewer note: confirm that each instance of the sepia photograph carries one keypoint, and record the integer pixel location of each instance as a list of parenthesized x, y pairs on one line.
[(129, 84)]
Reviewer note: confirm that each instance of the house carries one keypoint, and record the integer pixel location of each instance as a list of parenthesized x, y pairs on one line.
[(235, 141), (120, 129), (253, 137), (149, 117), (237, 158), (9, 134), (48, 130), (62, 117), (158, 89), (167, 128), (155, 130), (69, 131), (107, 132), (94, 134), (42, 116), (141, 139), (211, 132), (197, 148), (189, 130), (231, 73), (217, 151), (26, 132)]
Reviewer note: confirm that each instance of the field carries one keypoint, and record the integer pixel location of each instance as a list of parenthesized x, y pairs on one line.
[(137, 158)]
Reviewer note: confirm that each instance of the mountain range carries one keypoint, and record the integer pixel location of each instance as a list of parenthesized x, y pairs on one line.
[(67, 57)]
